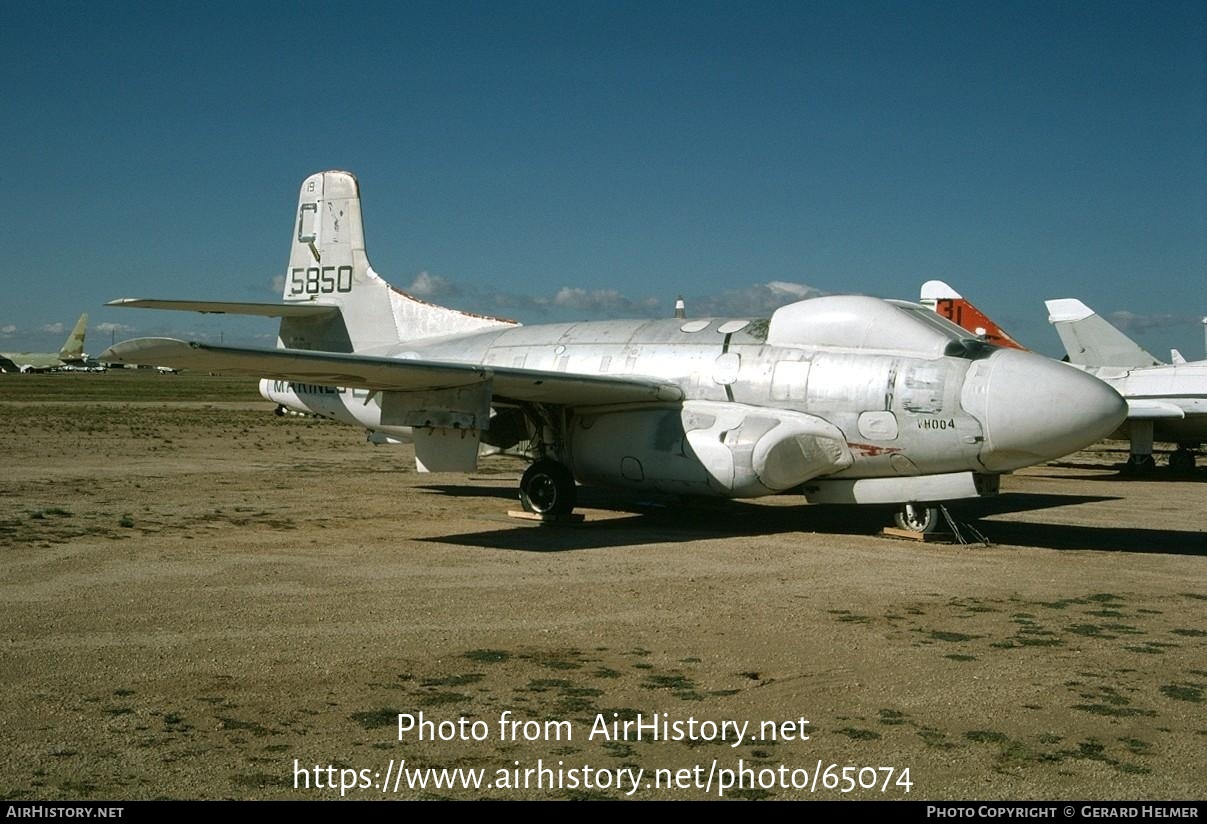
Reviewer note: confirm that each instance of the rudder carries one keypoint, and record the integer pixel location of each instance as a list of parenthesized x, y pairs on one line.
[(73, 347)]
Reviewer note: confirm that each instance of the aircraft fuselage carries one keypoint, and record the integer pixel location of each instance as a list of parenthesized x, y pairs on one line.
[(900, 412), (1179, 387)]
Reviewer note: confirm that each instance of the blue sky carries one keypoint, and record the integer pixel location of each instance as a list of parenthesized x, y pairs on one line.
[(573, 159)]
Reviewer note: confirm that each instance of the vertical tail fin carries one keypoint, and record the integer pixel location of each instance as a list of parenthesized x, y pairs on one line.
[(1092, 341), (952, 305), (328, 267), (73, 347)]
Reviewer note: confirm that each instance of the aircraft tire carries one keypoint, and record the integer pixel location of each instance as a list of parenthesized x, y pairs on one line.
[(1182, 461), (1139, 465), (547, 488), (918, 518)]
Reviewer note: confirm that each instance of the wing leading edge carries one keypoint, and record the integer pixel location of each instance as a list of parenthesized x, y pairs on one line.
[(393, 374), (214, 307)]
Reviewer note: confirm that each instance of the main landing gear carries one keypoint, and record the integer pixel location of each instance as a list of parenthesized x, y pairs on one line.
[(1140, 460), (1140, 464), (547, 488), (1182, 460)]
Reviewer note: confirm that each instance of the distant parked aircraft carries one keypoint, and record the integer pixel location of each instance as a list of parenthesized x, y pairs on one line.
[(72, 353), (951, 304), (1165, 402)]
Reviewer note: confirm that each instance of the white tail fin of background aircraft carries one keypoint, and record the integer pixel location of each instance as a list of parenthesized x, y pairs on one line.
[(1090, 340), (73, 348)]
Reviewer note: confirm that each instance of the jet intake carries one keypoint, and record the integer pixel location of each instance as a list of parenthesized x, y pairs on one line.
[(707, 447)]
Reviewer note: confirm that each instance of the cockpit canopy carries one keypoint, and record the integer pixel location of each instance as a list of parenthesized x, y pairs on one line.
[(867, 323)]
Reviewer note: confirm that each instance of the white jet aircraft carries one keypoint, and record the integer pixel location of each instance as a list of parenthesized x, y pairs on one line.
[(1165, 402), (844, 399)]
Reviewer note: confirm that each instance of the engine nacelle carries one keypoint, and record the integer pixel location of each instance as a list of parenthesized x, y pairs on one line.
[(706, 448)]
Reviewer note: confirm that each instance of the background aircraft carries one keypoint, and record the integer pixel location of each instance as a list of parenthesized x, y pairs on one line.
[(951, 304), (845, 399), (1165, 403), (72, 353)]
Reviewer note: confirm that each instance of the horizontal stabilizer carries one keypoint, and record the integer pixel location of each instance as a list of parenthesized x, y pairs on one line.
[(363, 371), (214, 307)]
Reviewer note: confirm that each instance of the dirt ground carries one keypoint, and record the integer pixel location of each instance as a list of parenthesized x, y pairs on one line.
[(201, 600)]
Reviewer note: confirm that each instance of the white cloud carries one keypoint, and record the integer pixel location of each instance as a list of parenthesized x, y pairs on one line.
[(113, 328), (7, 331), (53, 328), (607, 302), (1133, 322), (577, 303), (568, 302), (278, 284), (795, 291), (432, 287), (758, 300)]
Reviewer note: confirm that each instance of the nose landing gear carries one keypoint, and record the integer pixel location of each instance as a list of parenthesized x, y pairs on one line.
[(919, 518)]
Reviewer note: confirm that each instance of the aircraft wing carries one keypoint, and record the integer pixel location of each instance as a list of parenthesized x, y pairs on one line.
[(268, 310), (1147, 409), (400, 374)]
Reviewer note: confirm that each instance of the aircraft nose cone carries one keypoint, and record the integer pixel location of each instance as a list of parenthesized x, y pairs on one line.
[(1036, 409)]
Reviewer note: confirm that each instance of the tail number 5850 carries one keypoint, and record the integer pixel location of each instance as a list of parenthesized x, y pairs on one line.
[(320, 280)]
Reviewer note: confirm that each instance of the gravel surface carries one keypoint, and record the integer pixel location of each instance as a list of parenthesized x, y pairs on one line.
[(200, 600)]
